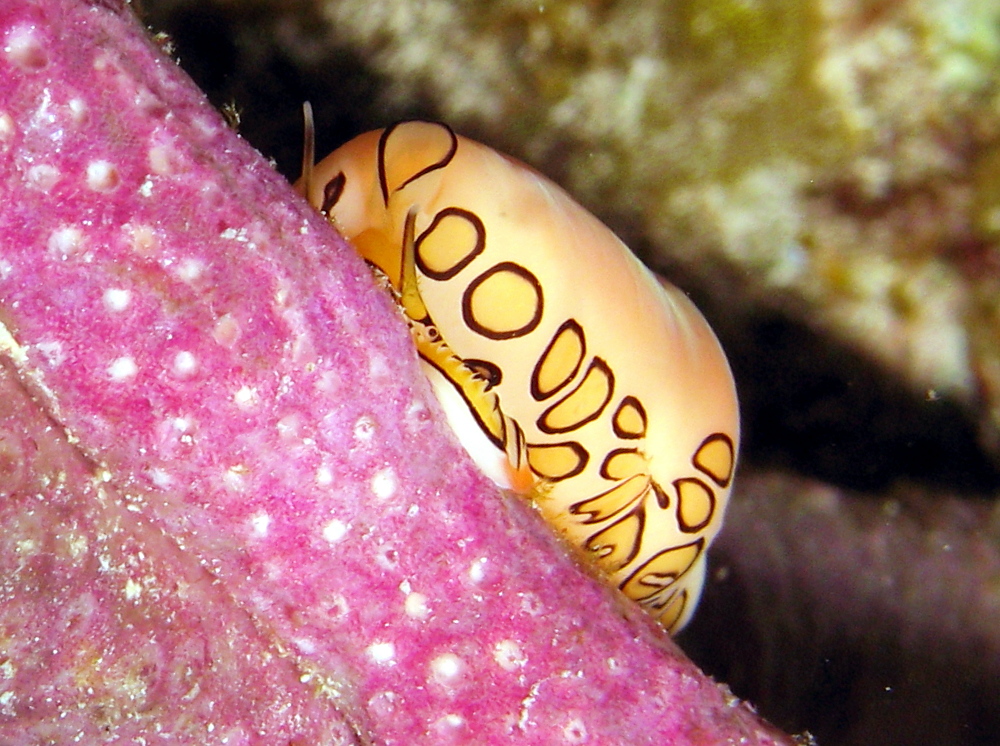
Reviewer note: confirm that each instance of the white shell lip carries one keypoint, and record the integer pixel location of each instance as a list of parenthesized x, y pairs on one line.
[(490, 460)]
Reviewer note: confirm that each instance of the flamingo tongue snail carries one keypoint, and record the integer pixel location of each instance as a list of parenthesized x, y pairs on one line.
[(566, 369)]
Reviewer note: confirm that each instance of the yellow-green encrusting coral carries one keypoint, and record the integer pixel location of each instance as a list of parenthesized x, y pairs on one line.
[(836, 156)]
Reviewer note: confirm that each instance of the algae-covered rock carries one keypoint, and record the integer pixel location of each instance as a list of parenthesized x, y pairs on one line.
[(822, 153)]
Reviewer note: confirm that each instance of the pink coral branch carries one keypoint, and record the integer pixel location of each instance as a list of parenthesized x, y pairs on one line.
[(244, 416)]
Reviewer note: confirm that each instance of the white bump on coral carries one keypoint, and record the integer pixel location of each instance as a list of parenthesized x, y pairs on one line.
[(328, 382), (245, 396), (417, 416), (232, 234), (379, 368), (53, 352), (324, 476), (65, 241), (337, 607), (282, 292), (449, 722), (383, 704), (477, 570), (123, 369), (290, 427), (334, 531), (25, 49), (364, 429), (446, 667), (132, 589), (6, 126), (181, 424), (7, 700), (575, 731), (161, 478), (147, 101), (77, 109), (509, 656), (117, 299), (387, 557), (161, 160), (102, 176), (415, 606), (26, 547), (77, 545), (308, 647), (384, 483), (184, 363), (530, 604), (235, 477), (226, 331), (43, 177), (382, 652), (260, 523), (190, 269), (208, 126), (141, 237)]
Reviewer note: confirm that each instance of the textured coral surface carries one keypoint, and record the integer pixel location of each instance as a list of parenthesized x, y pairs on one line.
[(230, 513), (109, 632)]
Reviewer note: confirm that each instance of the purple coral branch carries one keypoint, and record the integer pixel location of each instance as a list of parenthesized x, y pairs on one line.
[(242, 408)]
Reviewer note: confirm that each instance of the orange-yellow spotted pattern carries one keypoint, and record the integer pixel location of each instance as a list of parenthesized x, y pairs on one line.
[(563, 364)]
